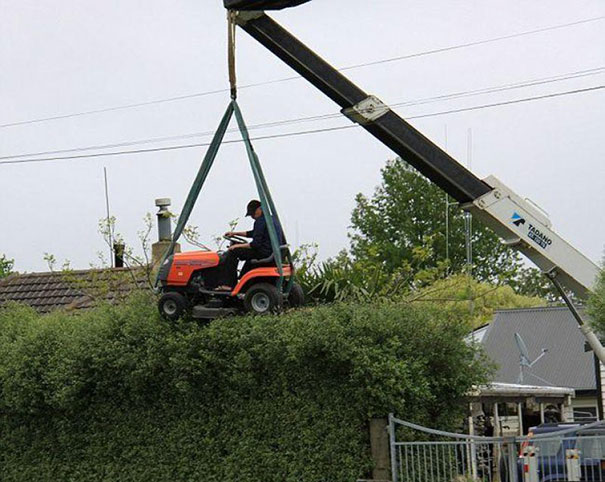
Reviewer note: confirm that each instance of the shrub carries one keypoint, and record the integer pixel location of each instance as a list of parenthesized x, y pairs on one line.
[(118, 394), (596, 304)]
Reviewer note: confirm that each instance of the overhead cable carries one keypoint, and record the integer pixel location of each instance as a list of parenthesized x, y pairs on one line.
[(332, 115), (286, 79), (300, 133)]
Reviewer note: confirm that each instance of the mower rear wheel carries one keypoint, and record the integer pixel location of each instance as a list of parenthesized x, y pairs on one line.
[(262, 299), (296, 298), (172, 306)]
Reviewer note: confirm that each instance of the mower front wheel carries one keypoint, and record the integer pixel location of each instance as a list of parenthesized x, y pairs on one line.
[(172, 306), (262, 298)]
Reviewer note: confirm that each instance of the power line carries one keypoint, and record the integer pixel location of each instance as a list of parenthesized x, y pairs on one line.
[(510, 86), (443, 97), (300, 133), (477, 42), (509, 102), (111, 109), (286, 79)]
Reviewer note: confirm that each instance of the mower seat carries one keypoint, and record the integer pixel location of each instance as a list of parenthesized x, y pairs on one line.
[(271, 259)]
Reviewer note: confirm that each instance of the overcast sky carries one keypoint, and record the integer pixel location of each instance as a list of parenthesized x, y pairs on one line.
[(68, 56)]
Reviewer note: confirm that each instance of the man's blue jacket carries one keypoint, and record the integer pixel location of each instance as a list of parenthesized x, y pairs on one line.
[(261, 241)]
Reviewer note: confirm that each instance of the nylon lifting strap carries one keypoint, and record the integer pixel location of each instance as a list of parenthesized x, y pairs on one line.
[(267, 204), (266, 200), (231, 53)]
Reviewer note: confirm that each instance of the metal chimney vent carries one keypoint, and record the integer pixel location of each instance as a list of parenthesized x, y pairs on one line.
[(164, 219)]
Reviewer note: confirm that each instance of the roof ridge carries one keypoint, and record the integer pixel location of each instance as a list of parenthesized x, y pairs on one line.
[(535, 308), (73, 271)]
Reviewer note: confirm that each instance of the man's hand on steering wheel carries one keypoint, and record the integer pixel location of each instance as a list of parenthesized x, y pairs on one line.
[(238, 246), (235, 239)]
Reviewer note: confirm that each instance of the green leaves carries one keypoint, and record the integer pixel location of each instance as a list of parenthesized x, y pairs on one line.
[(596, 305), (404, 222), (466, 298), (118, 394), (363, 280), (6, 266)]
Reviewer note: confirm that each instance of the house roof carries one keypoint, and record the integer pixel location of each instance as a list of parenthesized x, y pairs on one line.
[(515, 389), (566, 364), (70, 289)]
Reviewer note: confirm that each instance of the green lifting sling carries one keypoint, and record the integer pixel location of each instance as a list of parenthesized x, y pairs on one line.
[(267, 204)]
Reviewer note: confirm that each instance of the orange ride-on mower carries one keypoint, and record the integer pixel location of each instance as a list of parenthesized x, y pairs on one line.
[(187, 281)]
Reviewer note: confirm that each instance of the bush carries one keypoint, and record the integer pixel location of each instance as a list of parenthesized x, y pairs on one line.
[(118, 394), (467, 298), (596, 304)]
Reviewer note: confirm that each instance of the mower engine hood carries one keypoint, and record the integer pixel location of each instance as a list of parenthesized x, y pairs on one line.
[(261, 4)]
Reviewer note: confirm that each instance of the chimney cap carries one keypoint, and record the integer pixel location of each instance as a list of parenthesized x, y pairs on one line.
[(162, 202)]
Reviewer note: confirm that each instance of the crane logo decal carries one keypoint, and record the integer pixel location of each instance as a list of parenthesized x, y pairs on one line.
[(538, 237), (518, 220), (533, 232)]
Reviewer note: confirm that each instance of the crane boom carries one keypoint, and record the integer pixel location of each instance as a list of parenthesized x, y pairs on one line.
[(374, 116), (525, 227), (520, 223)]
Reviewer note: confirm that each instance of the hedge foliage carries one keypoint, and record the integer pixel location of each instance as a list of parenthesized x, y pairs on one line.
[(118, 394)]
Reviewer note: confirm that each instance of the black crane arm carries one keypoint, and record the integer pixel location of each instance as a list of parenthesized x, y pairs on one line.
[(370, 112), (261, 4)]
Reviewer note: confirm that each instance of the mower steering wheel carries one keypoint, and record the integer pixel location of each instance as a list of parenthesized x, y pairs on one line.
[(235, 239)]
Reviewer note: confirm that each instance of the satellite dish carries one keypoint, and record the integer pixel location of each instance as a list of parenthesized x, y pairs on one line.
[(524, 354), (525, 361)]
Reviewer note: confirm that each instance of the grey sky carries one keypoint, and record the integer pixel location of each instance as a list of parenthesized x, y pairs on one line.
[(60, 57)]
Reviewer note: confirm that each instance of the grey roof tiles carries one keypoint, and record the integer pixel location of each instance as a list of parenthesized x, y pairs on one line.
[(566, 364), (73, 289)]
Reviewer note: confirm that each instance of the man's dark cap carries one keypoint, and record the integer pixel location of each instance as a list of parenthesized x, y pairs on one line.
[(252, 207)]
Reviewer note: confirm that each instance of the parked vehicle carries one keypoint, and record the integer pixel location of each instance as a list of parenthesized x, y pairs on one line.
[(551, 452)]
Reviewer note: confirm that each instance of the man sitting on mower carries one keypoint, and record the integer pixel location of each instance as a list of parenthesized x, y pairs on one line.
[(258, 248)]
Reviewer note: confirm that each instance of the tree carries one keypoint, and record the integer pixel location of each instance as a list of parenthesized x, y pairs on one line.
[(407, 211), (465, 298), (531, 281), (596, 305), (6, 266)]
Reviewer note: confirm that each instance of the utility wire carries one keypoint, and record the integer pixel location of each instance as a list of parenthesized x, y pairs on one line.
[(505, 87), (286, 79), (477, 42), (451, 96), (300, 133), (509, 102)]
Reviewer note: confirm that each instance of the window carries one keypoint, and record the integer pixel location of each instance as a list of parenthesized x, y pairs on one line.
[(585, 414)]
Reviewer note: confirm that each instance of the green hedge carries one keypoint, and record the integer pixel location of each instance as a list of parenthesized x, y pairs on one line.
[(118, 394)]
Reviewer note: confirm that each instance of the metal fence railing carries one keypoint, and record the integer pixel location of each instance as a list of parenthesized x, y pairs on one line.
[(419, 454), (442, 461)]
